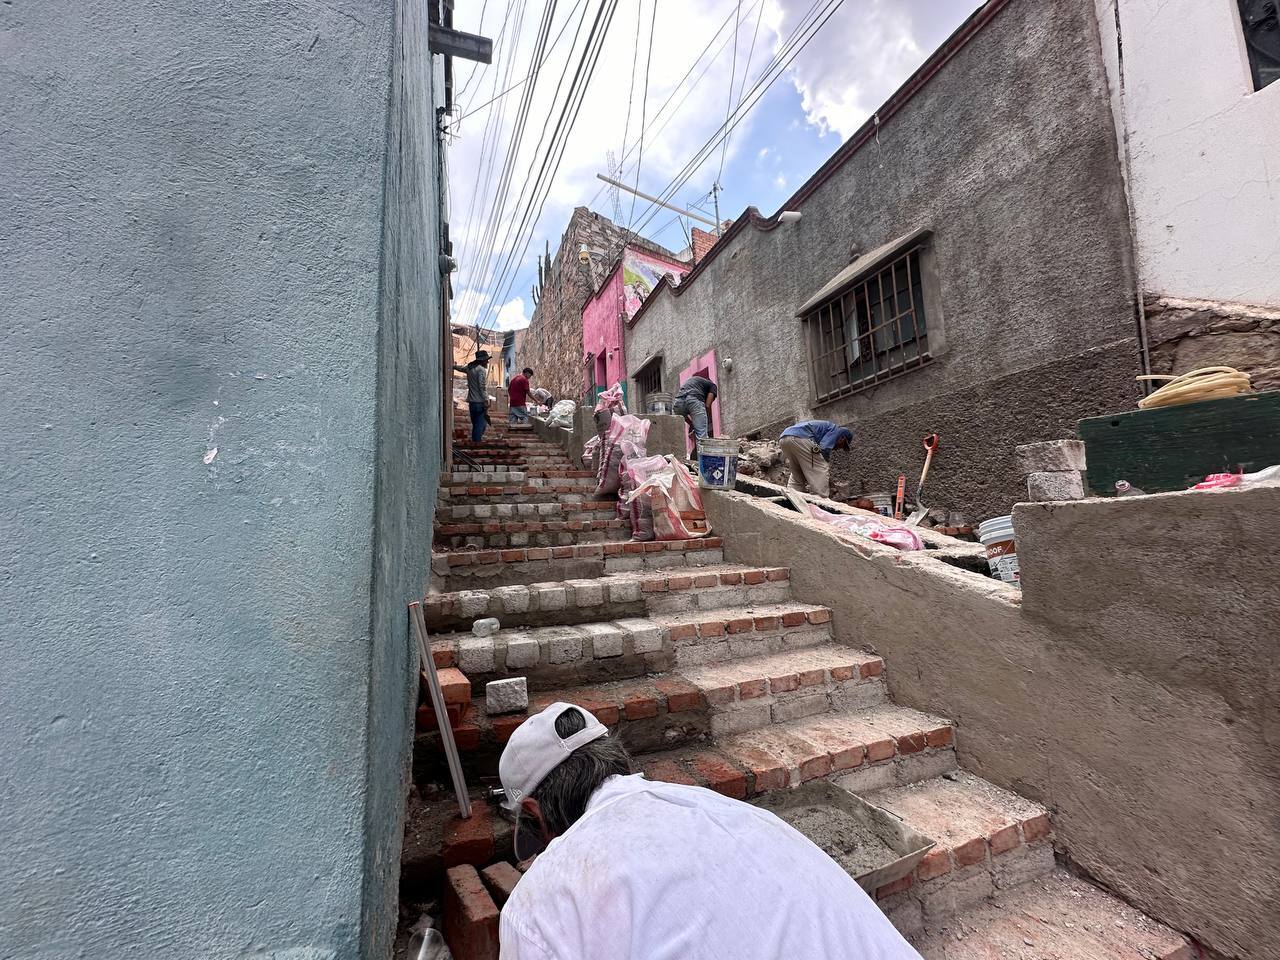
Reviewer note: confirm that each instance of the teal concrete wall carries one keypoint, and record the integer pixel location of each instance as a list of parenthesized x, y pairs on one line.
[(220, 350)]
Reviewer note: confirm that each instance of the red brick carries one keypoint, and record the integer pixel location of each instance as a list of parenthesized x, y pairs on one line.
[(468, 841), (814, 767), (505, 726), (846, 758), (538, 553), (710, 543), (754, 576), (680, 693), (467, 735), (706, 580), (639, 707), (768, 623), (460, 559), (454, 685), (501, 879), (819, 616), (970, 852), (911, 743), (512, 556), (719, 695), (632, 547), (487, 556), (667, 771), (680, 583), (562, 553), (872, 668), (607, 713), (613, 549), (939, 737), (443, 654), (812, 678), (934, 864), (793, 619), (470, 916), (654, 546), (657, 585), (1035, 828), (785, 683), (766, 772), (901, 885), (682, 631), (712, 628), (880, 750), (780, 573), (731, 579), (750, 689), (740, 625), (721, 776), (491, 528), (1004, 840), (840, 674), (589, 550)]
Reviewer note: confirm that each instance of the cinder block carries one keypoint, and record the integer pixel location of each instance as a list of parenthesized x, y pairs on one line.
[(564, 647), (587, 593), (549, 596), (646, 636), (624, 591), (506, 696), (514, 599), (1050, 456), (472, 603), (475, 654), (607, 639), (1066, 485), (522, 651)]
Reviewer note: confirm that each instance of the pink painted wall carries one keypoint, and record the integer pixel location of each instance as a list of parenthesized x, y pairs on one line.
[(705, 366), (621, 296)]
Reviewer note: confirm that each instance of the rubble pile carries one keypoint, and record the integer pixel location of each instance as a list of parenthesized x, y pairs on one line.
[(762, 459)]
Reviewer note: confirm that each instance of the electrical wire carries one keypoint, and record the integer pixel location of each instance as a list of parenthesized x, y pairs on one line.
[(644, 104), (733, 75)]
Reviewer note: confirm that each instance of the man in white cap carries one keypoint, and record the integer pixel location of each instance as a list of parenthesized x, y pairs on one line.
[(632, 869)]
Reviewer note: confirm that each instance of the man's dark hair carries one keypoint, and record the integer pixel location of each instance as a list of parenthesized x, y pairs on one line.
[(564, 793), (527, 371)]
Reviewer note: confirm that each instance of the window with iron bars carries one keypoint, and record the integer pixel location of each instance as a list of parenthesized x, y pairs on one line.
[(872, 331), (648, 380)]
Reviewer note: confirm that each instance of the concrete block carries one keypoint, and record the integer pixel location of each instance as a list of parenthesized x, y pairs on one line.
[(513, 599), (794, 708), (522, 651), (1066, 485), (548, 596), (587, 593), (1050, 456), (506, 696), (564, 647), (472, 604), (623, 564), (504, 509), (475, 654), (705, 653), (607, 639), (646, 636), (624, 591), (547, 509), (743, 716), (1021, 864), (483, 510)]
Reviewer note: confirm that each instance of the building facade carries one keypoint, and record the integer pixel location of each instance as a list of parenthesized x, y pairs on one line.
[(226, 320), (961, 266)]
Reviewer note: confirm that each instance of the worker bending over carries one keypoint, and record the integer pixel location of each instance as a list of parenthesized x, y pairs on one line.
[(693, 402), (518, 397), (635, 869), (807, 447)]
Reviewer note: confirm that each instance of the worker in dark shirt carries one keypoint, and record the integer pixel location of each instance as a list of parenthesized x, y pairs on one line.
[(807, 448), (693, 402), (518, 396)]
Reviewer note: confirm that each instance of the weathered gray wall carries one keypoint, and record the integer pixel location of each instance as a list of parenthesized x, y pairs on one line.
[(192, 248), (1009, 155), (1132, 689)]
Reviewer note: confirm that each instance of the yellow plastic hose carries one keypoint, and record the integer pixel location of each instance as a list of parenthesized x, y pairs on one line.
[(1207, 383)]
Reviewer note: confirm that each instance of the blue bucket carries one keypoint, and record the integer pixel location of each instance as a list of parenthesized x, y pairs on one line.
[(717, 463)]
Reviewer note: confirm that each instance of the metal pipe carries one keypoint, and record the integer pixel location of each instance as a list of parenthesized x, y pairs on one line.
[(652, 199)]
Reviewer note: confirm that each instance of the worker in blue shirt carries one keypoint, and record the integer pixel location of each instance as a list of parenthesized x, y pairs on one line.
[(807, 447)]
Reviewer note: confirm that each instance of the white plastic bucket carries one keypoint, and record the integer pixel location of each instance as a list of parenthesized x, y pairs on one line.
[(658, 403), (883, 503), (998, 538), (717, 463)]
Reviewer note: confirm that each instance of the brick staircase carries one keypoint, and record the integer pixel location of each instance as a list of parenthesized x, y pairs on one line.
[(712, 674)]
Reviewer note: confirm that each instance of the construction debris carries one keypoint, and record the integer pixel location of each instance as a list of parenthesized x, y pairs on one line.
[(763, 459)]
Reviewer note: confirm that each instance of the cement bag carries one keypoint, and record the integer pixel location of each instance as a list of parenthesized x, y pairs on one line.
[(879, 529), (634, 473), (562, 414), (676, 503), (609, 476), (611, 399)]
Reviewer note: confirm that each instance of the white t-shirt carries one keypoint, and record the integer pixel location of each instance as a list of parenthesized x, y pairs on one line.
[(662, 871)]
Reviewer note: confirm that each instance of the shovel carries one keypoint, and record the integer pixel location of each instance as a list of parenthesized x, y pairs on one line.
[(931, 443)]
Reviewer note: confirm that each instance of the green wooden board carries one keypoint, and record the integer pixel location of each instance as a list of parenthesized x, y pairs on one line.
[(1173, 448)]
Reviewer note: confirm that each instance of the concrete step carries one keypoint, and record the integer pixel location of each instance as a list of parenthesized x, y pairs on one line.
[(988, 840), (484, 569), (547, 491), (1057, 917), (887, 744), (549, 510), (639, 593), (564, 656), (478, 487), (500, 534), (495, 476)]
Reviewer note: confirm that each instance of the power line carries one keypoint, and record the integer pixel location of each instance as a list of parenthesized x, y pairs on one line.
[(733, 75), (742, 89), (644, 103)]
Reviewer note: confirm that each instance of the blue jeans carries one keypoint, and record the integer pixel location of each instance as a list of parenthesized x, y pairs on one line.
[(518, 415), (695, 411), (477, 420)]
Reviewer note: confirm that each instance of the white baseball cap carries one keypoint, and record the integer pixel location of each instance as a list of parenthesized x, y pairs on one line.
[(535, 749)]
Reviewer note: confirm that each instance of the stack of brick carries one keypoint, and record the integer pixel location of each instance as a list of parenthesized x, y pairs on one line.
[(1052, 469)]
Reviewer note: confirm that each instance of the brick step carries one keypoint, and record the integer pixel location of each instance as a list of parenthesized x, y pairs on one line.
[(1058, 916), (638, 593), (549, 510), (503, 444), (887, 744), (987, 839), (487, 488), (496, 476), (500, 534), (448, 497), (472, 569), (561, 473), (552, 657), (524, 457)]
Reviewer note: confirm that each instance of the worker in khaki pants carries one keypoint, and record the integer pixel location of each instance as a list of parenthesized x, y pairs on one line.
[(807, 447)]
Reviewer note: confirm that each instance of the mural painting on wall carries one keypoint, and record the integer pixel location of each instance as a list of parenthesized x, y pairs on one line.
[(640, 276)]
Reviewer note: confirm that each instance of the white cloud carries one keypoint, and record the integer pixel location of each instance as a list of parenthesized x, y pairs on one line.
[(512, 315), (780, 182)]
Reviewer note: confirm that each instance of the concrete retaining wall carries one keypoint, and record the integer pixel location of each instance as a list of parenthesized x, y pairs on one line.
[(1131, 687)]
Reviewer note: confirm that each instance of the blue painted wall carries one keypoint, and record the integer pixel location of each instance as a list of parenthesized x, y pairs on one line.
[(221, 434)]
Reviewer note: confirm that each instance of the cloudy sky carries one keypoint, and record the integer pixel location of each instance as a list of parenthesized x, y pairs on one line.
[(705, 60)]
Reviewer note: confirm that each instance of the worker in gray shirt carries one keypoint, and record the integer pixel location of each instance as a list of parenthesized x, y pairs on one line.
[(477, 372), (693, 402)]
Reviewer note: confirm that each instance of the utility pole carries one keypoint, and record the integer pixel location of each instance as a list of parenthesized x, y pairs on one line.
[(645, 196), (715, 198)]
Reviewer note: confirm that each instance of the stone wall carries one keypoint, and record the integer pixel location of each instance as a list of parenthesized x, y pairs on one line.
[(1008, 154), (1184, 335), (1129, 687), (222, 333)]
